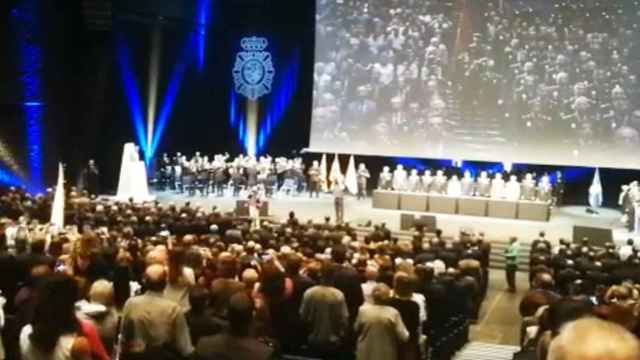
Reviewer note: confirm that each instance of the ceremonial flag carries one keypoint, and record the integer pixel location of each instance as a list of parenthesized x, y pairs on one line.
[(57, 208), (595, 190), (351, 179), (323, 174), (335, 169)]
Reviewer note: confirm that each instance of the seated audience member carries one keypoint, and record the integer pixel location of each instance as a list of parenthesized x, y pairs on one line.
[(236, 343), (379, 328), (594, 339), (559, 314)]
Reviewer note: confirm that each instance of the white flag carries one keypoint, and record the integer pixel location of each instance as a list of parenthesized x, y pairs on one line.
[(335, 169), (57, 208), (595, 190), (323, 174), (351, 179)]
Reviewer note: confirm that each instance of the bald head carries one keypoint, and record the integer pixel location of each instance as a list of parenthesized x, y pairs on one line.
[(155, 277), (101, 292), (380, 294), (594, 339)]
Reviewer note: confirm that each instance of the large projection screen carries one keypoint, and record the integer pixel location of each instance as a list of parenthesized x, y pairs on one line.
[(536, 81)]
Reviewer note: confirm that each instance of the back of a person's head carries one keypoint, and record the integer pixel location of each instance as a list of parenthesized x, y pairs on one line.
[(594, 339), (101, 292), (380, 294), (339, 253), (402, 285), (199, 299), (227, 264), (54, 312), (293, 264), (567, 310), (240, 314), (38, 245), (327, 273), (544, 281), (272, 282), (155, 278)]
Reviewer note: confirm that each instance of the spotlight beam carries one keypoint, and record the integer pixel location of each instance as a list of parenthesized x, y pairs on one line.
[(175, 81), (204, 7), (25, 21), (131, 92), (154, 74)]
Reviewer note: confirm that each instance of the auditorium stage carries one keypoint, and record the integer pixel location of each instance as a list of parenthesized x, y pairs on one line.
[(360, 211)]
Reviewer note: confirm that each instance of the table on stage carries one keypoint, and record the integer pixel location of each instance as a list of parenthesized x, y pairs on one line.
[(463, 205)]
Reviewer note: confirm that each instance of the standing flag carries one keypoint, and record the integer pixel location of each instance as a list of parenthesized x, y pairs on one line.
[(351, 179), (595, 190), (323, 174), (57, 208), (335, 172)]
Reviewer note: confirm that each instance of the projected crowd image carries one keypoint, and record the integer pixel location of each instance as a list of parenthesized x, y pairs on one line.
[(548, 81)]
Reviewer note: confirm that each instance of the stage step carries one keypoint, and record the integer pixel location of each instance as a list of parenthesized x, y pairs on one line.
[(485, 351)]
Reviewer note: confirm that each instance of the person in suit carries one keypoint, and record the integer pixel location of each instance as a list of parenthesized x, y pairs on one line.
[(338, 198), (362, 177), (409, 312), (314, 179), (236, 343), (150, 321), (91, 178), (379, 328)]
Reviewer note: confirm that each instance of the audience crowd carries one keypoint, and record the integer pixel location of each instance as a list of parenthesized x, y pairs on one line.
[(573, 281), (152, 281), (164, 281)]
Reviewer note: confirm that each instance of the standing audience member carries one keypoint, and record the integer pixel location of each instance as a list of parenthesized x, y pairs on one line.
[(324, 311), (379, 328), (511, 255), (236, 343), (410, 313), (55, 332), (199, 321), (151, 324)]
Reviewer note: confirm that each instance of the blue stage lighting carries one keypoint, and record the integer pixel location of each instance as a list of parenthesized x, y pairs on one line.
[(8, 178), (132, 94), (175, 81), (204, 10), (25, 22), (233, 109), (279, 101)]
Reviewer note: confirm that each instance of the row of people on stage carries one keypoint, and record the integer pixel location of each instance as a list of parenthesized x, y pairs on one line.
[(629, 201), (270, 175), (482, 186), (205, 175)]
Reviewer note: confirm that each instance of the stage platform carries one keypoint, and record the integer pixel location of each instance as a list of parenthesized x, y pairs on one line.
[(360, 211)]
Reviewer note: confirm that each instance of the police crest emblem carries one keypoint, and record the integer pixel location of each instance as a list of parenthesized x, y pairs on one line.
[(253, 71)]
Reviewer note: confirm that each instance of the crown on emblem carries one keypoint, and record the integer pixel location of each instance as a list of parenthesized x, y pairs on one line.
[(254, 43)]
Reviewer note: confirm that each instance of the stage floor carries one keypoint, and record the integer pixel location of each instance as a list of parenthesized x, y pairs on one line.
[(360, 211)]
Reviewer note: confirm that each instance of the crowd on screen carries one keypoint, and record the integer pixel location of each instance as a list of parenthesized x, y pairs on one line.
[(405, 73), (171, 282)]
